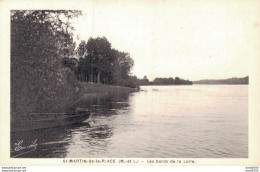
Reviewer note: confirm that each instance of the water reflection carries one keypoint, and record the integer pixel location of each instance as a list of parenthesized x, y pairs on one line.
[(97, 139), (51, 142), (64, 140), (101, 132)]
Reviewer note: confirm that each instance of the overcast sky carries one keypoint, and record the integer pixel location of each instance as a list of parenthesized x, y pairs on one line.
[(190, 39)]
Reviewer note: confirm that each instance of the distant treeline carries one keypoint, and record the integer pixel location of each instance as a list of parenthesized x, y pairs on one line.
[(231, 81), (164, 81)]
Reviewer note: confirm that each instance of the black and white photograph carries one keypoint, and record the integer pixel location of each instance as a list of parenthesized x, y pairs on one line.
[(132, 79)]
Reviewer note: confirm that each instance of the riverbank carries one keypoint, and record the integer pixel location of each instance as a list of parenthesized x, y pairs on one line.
[(92, 92), (94, 88)]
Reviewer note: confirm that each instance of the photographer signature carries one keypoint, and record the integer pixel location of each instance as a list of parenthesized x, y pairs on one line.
[(19, 147)]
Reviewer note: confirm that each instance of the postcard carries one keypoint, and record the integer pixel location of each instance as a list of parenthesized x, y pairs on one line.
[(130, 83)]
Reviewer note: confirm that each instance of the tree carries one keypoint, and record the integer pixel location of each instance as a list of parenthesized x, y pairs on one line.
[(102, 64), (40, 39), (177, 81), (82, 49), (144, 81), (84, 63), (122, 67), (71, 63), (100, 55)]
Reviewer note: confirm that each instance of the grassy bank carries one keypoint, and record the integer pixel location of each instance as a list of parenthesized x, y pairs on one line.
[(92, 94), (92, 91), (93, 88)]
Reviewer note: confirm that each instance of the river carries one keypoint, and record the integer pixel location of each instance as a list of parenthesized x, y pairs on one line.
[(196, 121)]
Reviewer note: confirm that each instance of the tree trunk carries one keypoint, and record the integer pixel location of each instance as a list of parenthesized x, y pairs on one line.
[(91, 77), (98, 77)]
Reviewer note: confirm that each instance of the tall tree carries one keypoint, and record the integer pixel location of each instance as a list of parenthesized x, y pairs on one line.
[(122, 67), (100, 55), (39, 41)]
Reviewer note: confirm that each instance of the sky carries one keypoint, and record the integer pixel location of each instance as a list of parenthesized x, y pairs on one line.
[(189, 39)]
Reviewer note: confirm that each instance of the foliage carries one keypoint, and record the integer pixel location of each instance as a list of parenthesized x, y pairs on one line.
[(39, 41), (102, 64), (144, 81)]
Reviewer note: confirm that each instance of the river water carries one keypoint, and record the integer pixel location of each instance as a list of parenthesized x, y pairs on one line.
[(197, 121)]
